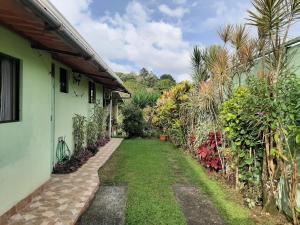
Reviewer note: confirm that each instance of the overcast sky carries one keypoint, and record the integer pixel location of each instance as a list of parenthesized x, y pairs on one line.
[(156, 34)]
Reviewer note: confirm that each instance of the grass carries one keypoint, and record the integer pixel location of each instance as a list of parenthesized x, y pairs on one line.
[(150, 168)]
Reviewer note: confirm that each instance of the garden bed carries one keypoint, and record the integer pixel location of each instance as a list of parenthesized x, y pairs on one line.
[(79, 158)]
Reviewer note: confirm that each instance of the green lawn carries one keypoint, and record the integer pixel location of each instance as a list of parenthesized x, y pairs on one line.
[(150, 168)]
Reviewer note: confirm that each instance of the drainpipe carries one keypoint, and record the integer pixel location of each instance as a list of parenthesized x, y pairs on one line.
[(110, 116)]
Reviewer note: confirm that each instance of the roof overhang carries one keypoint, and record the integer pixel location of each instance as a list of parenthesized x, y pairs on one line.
[(46, 29)]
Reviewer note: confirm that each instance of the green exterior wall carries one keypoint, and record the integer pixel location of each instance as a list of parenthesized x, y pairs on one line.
[(24, 145), (71, 103), (27, 151)]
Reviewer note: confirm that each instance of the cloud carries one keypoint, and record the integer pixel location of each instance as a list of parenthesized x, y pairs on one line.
[(226, 13), (178, 12), (179, 2), (133, 37)]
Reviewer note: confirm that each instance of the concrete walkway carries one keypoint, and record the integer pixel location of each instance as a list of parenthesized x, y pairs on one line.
[(108, 207), (66, 197)]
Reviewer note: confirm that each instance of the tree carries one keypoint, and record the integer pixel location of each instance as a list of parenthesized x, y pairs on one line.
[(167, 77), (133, 122), (144, 72), (164, 85)]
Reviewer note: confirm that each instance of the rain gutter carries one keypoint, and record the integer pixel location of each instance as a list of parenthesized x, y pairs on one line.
[(57, 22)]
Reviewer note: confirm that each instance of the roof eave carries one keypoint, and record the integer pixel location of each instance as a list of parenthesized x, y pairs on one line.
[(65, 30)]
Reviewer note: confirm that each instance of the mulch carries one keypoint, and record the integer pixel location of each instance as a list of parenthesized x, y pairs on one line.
[(79, 158)]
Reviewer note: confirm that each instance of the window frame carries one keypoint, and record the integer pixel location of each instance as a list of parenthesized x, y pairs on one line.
[(92, 87), (66, 80), (17, 99)]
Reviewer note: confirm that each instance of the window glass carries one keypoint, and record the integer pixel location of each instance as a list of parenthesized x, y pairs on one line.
[(92, 92), (63, 81), (9, 88)]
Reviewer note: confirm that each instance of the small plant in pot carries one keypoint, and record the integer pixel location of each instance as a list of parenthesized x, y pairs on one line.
[(164, 136)]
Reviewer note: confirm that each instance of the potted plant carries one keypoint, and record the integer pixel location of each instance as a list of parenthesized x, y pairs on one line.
[(164, 136)]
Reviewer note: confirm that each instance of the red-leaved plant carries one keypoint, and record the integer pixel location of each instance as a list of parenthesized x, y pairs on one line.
[(208, 153)]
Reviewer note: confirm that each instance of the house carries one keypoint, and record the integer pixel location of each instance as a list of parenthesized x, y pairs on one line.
[(48, 73)]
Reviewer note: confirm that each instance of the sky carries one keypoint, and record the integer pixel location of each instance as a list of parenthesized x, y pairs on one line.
[(156, 34)]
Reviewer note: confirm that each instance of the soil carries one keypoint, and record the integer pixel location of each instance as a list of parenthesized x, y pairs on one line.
[(197, 208), (107, 207), (79, 158), (257, 214)]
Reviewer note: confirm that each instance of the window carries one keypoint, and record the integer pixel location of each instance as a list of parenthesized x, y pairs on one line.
[(92, 92), (63, 81), (9, 89)]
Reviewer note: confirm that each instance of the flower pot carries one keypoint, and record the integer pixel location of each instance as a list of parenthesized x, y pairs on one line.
[(163, 137)]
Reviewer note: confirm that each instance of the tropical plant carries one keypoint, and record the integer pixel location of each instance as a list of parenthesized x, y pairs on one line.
[(199, 65), (240, 126), (273, 20), (168, 111), (79, 132), (133, 122), (91, 131), (145, 98), (100, 116), (208, 153)]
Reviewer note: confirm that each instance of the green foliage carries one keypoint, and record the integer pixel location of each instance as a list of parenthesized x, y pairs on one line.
[(167, 77), (168, 108), (239, 126), (133, 121), (79, 129), (100, 117), (288, 106), (151, 173), (91, 131), (134, 85), (164, 85), (144, 98), (199, 65), (147, 81)]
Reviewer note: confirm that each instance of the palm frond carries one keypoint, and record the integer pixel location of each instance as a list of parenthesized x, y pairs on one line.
[(239, 36), (268, 16), (199, 73), (225, 33)]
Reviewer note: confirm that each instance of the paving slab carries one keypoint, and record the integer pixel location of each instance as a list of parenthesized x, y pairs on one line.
[(108, 207), (196, 206), (66, 196)]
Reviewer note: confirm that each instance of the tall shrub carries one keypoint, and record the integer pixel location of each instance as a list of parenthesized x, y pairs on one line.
[(100, 117), (79, 131), (133, 122), (168, 112), (91, 131)]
